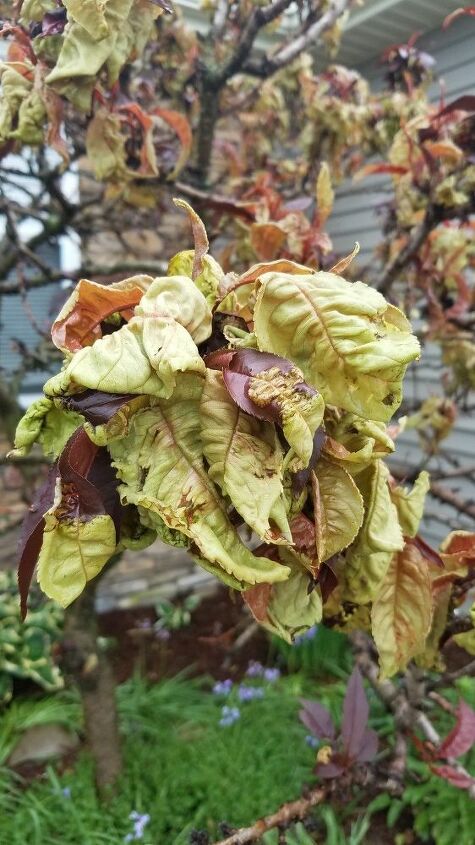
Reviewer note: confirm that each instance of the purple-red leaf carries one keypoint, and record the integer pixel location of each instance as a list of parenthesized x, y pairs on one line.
[(302, 477), (327, 580), (462, 780), (96, 406), (317, 719), (54, 22), (355, 715), (329, 770), (464, 103), (31, 536), (462, 737), (369, 747)]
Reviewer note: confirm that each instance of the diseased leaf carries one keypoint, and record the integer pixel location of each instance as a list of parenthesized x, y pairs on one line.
[(355, 715), (79, 322), (209, 277), (464, 10), (345, 262), (402, 611), (368, 559), (180, 125), (317, 719), (338, 509), (272, 389), (245, 460), (178, 298), (410, 503), (292, 609), (458, 550), (73, 552), (462, 737), (346, 340), (161, 468), (142, 357), (31, 536)]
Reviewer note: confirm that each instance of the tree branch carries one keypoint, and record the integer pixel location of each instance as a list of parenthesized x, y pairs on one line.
[(286, 54), (289, 812), (398, 263)]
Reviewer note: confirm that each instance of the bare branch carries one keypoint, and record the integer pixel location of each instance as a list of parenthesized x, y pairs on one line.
[(289, 812), (260, 17), (312, 31)]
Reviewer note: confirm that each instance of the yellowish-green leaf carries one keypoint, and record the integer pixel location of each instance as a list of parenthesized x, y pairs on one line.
[(143, 356), (47, 425), (338, 508), (245, 460), (402, 611), (73, 552), (292, 609), (410, 504), (161, 466), (368, 559), (347, 341), (179, 298), (208, 281), (325, 195)]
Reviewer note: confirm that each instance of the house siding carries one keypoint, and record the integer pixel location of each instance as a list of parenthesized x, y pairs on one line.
[(355, 218)]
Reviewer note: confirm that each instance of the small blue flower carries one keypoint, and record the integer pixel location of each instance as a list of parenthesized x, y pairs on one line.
[(140, 821), (223, 687), (254, 669), (271, 675), (66, 792), (312, 741), (229, 715), (308, 635), (246, 693)]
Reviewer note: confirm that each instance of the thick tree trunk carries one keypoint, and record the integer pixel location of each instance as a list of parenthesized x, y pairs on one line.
[(88, 666)]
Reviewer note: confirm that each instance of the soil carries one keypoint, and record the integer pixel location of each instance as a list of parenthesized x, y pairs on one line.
[(204, 647)]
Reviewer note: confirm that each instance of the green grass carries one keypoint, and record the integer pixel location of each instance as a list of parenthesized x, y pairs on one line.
[(181, 767), (188, 772)]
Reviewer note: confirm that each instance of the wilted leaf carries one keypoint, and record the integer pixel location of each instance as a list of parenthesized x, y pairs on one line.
[(200, 238), (338, 509), (465, 10), (267, 240), (79, 322), (272, 389), (368, 559), (410, 503), (245, 460), (345, 262), (160, 464), (343, 336), (31, 536), (180, 125), (462, 780), (402, 611)]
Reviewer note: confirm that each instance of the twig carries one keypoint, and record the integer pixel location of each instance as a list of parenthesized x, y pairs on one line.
[(284, 55), (289, 812), (398, 263), (449, 677)]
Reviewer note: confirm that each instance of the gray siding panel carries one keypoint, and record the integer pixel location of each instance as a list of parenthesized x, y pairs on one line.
[(355, 217)]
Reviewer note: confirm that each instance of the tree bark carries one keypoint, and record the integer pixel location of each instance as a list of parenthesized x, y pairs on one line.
[(88, 666)]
